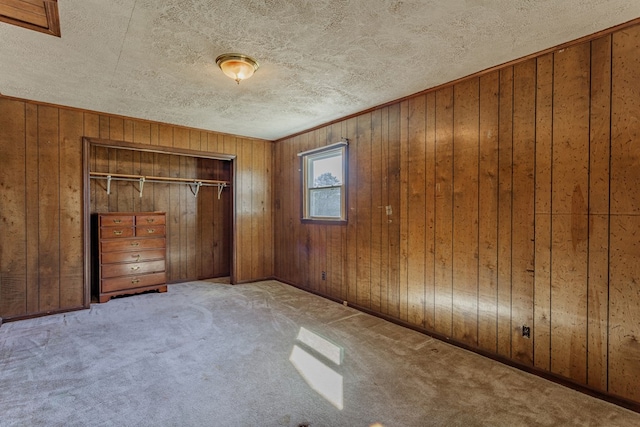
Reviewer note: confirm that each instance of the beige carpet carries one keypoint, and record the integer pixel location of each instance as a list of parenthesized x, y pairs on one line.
[(263, 354)]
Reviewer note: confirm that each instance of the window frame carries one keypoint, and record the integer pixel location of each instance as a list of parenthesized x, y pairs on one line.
[(306, 161)]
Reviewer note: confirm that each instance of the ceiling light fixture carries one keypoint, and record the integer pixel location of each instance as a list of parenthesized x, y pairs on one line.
[(236, 66)]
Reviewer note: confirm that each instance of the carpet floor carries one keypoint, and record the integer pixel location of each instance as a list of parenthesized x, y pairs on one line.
[(262, 354)]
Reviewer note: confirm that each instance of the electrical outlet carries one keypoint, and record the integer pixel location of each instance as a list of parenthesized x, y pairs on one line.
[(324, 275), (526, 331)]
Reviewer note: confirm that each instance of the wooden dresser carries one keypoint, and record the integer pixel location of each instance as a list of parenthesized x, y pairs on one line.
[(130, 253)]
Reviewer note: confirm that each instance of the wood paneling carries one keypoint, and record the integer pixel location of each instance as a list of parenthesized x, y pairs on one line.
[(624, 235), (41, 202), (512, 202), (198, 232)]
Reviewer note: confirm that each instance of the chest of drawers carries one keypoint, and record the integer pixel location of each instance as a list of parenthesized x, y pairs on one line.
[(131, 251)]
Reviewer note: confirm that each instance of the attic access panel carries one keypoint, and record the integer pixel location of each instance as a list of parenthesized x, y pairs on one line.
[(37, 15)]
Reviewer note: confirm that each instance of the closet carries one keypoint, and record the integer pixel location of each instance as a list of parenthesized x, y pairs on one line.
[(193, 189)]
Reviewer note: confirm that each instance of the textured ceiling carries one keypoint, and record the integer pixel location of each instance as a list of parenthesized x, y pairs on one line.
[(320, 59)]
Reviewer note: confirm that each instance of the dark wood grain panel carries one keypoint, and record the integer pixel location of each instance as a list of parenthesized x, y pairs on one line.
[(71, 249), (51, 189), (363, 207), (465, 211), (488, 213), (624, 270), (444, 213), (505, 194), (430, 197), (416, 208), (31, 191), (13, 256), (378, 216), (624, 306), (352, 219), (543, 127), (599, 157), (394, 165), (403, 210), (49, 208), (523, 233), (570, 182), (542, 279)]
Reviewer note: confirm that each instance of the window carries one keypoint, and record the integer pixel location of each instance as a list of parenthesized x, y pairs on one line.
[(324, 191)]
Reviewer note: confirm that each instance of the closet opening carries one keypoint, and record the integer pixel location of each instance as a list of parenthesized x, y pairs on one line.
[(193, 188)]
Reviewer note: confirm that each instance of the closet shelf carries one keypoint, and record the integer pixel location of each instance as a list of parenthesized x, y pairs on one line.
[(194, 184)]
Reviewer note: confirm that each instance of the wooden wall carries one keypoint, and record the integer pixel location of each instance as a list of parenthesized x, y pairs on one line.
[(41, 248), (198, 228), (512, 201)]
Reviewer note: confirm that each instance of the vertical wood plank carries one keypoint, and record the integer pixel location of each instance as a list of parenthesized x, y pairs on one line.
[(116, 128), (154, 133), (363, 206), (181, 138), (141, 132), (174, 241), (49, 208), (165, 136), (403, 279), (416, 208), (624, 269), (71, 245), (394, 165), (505, 185), (104, 127), (488, 213), (128, 130), (444, 212), (570, 180), (382, 134), (188, 169), (542, 279), (465, 211), (267, 255), (378, 187), (351, 233), (335, 272), (430, 192), (523, 230), (32, 197), (195, 142), (599, 156), (258, 188), (13, 214), (245, 153)]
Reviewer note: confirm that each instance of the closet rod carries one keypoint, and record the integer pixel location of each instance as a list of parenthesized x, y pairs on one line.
[(141, 179)]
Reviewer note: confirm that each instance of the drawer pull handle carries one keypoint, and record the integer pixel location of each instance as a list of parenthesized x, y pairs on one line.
[(117, 232), (117, 221), (136, 256), (135, 243), (150, 220), (134, 268), (151, 230), (135, 280)]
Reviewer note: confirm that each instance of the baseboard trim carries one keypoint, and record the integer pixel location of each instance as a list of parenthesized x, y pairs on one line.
[(558, 379)]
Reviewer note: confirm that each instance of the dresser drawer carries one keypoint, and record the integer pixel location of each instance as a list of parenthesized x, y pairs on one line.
[(123, 269), (116, 220), (116, 232), (150, 230), (132, 282), (132, 256), (142, 220), (131, 244)]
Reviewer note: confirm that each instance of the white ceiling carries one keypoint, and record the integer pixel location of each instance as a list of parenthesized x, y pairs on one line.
[(319, 59)]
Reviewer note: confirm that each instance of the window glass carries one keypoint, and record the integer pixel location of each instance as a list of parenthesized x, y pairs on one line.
[(324, 187)]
